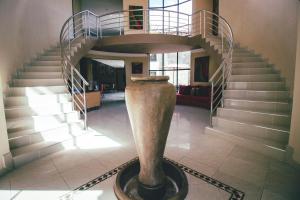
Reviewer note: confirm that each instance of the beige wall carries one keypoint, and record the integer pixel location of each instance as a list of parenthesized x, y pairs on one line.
[(200, 5), (128, 59), (294, 141), (268, 27), (213, 66), (28, 27), (4, 147)]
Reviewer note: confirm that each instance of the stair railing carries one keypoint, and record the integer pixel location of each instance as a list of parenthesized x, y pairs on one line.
[(218, 32), (79, 26), (88, 25)]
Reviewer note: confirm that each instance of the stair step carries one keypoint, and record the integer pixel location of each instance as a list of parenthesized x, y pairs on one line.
[(255, 117), (46, 63), (40, 75), (52, 53), (247, 59), (38, 82), (35, 100), (266, 86), (248, 54), (43, 69), (253, 130), (255, 78), (50, 58), (250, 64), (276, 152), (252, 71), (40, 123), (274, 96), (62, 132), (261, 106), (29, 91), (27, 111)]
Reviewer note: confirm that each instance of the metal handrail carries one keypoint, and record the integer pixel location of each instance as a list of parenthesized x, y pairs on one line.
[(86, 24)]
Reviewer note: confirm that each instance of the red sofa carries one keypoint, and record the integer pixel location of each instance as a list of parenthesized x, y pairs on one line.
[(194, 96)]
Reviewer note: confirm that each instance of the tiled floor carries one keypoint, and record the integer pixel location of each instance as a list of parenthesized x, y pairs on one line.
[(111, 144)]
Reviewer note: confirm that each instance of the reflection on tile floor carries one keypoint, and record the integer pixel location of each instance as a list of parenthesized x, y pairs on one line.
[(110, 143)]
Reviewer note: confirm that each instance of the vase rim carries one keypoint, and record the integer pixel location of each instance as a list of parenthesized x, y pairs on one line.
[(150, 78)]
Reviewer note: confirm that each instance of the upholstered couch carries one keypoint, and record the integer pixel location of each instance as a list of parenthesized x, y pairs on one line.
[(193, 96)]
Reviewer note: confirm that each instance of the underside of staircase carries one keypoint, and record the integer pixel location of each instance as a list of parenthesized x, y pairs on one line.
[(38, 108), (257, 105)]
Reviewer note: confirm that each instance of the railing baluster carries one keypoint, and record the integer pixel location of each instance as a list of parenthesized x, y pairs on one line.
[(211, 102), (85, 108)]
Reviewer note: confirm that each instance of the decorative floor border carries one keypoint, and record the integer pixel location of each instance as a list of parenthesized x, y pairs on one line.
[(235, 194)]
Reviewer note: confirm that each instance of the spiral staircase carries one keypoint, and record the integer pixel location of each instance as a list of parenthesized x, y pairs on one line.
[(46, 101)]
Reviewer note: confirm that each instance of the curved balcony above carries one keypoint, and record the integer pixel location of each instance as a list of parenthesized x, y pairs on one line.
[(146, 43)]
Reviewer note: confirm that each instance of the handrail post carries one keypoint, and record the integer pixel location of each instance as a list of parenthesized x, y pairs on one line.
[(85, 25), (204, 22), (72, 87), (223, 86), (120, 24), (89, 25), (169, 22), (200, 16), (211, 102), (188, 25), (97, 28), (85, 111), (222, 37), (69, 39), (100, 27)]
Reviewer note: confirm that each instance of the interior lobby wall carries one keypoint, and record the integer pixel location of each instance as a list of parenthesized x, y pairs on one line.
[(269, 27), (101, 7), (28, 27), (213, 65), (294, 140), (4, 147)]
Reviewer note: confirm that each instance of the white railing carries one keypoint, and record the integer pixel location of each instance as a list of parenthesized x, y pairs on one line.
[(86, 24)]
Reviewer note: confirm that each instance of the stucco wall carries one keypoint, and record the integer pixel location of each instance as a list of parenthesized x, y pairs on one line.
[(294, 141), (213, 66), (101, 7), (28, 27), (269, 27)]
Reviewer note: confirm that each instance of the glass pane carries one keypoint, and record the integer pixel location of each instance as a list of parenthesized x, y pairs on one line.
[(170, 61), (184, 60), (186, 7), (156, 73), (172, 76), (183, 77), (155, 3), (156, 62), (170, 2), (156, 21)]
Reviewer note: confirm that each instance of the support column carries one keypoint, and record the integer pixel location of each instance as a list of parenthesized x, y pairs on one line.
[(294, 141), (5, 156)]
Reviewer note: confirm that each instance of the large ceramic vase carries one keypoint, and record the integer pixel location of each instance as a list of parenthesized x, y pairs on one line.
[(150, 103)]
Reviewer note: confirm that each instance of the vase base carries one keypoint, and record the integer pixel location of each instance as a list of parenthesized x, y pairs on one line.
[(127, 184)]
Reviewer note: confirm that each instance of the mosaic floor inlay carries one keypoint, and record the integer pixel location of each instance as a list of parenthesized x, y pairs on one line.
[(232, 193)]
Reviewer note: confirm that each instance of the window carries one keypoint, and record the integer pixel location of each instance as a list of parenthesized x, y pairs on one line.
[(175, 65)]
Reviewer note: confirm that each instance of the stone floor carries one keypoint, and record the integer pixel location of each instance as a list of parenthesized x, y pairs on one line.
[(110, 144)]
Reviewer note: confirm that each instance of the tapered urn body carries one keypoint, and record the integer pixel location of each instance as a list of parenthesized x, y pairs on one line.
[(150, 102)]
